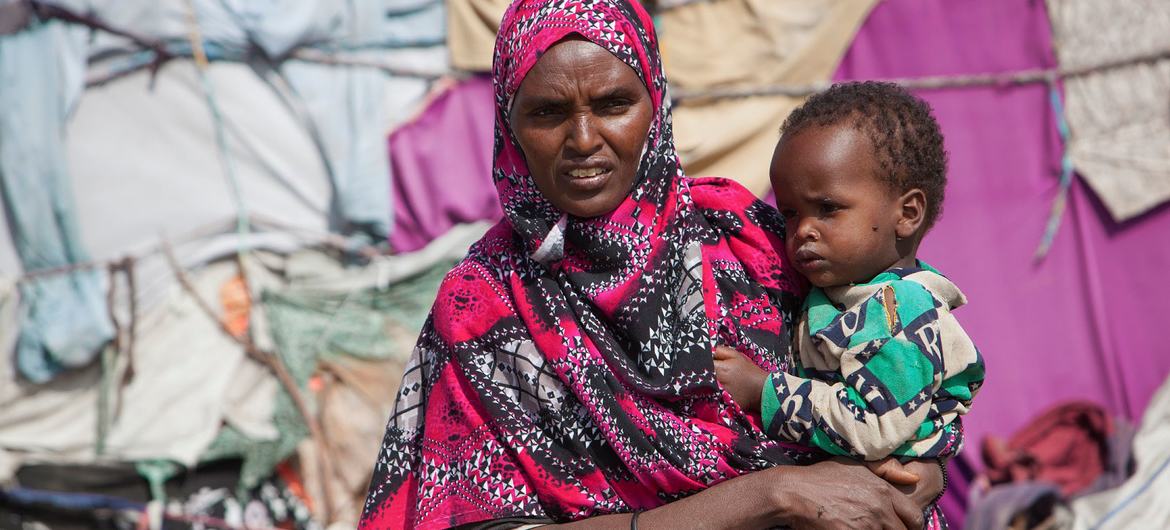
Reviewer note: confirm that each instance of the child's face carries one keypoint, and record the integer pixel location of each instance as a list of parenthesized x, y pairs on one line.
[(840, 219)]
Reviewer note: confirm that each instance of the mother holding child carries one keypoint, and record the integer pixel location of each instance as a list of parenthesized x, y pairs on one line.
[(602, 356)]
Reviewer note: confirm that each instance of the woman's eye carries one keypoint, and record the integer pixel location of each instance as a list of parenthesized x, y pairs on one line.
[(615, 105), (544, 112)]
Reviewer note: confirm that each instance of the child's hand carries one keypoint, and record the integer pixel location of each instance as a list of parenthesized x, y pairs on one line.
[(740, 376), (893, 472)]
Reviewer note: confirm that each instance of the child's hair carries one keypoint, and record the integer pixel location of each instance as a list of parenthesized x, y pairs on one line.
[(904, 133)]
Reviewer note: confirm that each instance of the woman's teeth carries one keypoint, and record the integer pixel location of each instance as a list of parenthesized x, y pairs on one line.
[(582, 173)]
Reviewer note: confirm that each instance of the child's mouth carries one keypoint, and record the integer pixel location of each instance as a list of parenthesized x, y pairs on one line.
[(808, 260)]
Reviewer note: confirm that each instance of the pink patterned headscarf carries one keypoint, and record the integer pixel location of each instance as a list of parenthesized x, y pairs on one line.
[(566, 368)]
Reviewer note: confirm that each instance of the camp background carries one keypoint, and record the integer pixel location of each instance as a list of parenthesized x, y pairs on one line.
[(197, 191)]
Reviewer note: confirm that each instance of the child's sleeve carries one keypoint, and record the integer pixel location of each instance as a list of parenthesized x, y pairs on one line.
[(879, 402)]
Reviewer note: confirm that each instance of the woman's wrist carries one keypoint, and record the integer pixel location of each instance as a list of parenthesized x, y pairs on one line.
[(763, 499), (774, 494), (755, 500)]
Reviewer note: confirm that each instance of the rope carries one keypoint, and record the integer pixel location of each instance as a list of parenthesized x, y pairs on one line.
[(201, 64), (666, 5), (1066, 172), (317, 56), (1018, 77), (326, 239), (273, 362), (153, 52)]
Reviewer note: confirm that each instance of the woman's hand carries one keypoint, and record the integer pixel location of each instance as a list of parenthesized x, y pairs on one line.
[(835, 494), (930, 481), (892, 471), (740, 376), (828, 495)]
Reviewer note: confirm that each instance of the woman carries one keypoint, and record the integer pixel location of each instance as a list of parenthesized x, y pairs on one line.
[(566, 372)]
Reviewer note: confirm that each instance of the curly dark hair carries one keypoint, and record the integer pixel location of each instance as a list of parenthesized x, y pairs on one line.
[(904, 133)]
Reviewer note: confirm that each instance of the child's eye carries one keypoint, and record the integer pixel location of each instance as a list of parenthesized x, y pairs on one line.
[(788, 213), (828, 208)]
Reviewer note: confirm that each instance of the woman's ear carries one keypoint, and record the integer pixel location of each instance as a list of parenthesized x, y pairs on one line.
[(911, 213)]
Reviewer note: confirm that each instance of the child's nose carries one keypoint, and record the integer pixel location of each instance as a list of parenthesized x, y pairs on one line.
[(806, 230)]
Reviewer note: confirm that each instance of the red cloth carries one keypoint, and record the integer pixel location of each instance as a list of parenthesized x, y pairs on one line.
[(1066, 445)]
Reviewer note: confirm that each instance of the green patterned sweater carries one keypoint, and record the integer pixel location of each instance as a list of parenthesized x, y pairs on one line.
[(884, 369)]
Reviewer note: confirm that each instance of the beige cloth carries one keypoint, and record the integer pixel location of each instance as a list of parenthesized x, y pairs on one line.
[(747, 44), (356, 398), (188, 380), (471, 32), (1119, 118)]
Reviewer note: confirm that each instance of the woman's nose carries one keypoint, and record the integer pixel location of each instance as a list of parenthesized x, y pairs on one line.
[(584, 138)]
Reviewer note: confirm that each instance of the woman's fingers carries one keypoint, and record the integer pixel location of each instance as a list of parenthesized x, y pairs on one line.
[(842, 494), (901, 477), (908, 513), (893, 472), (930, 481)]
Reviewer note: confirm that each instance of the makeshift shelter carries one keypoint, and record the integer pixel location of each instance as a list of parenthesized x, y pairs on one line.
[(307, 169)]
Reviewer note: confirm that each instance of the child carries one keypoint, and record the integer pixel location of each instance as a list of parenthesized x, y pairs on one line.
[(884, 368)]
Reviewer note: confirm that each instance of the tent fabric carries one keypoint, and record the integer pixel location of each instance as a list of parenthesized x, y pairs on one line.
[(304, 141), (1144, 500), (796, 42), (344, 110), (349, 120), (350, 110), (311, 328), (472, 26), (1119, 118), (443, 167), (169, 181), (275, 28), (326, 317), (1076, 325), (354, 406), (181, 358), (64, 319), (276, 145)]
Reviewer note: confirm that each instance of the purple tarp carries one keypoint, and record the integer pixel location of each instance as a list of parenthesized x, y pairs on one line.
[(1081, 324), (442, 166)]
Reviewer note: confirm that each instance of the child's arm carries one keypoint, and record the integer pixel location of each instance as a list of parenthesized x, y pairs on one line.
[(879, 401), (742, 378)]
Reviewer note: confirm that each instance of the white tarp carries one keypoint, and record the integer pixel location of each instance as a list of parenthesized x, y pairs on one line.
[(1120, 117)]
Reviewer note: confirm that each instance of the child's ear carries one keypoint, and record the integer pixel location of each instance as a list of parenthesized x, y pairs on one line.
[(912, 213)]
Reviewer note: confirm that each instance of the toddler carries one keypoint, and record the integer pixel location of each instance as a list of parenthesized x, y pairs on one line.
[(883, 367)]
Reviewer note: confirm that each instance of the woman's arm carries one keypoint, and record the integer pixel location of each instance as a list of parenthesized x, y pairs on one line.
[(826, 495)]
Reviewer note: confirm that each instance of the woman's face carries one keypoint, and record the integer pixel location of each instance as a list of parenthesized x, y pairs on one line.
[(581, 116)]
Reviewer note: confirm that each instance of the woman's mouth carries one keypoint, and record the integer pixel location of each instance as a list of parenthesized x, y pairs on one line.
[(590, 179)]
